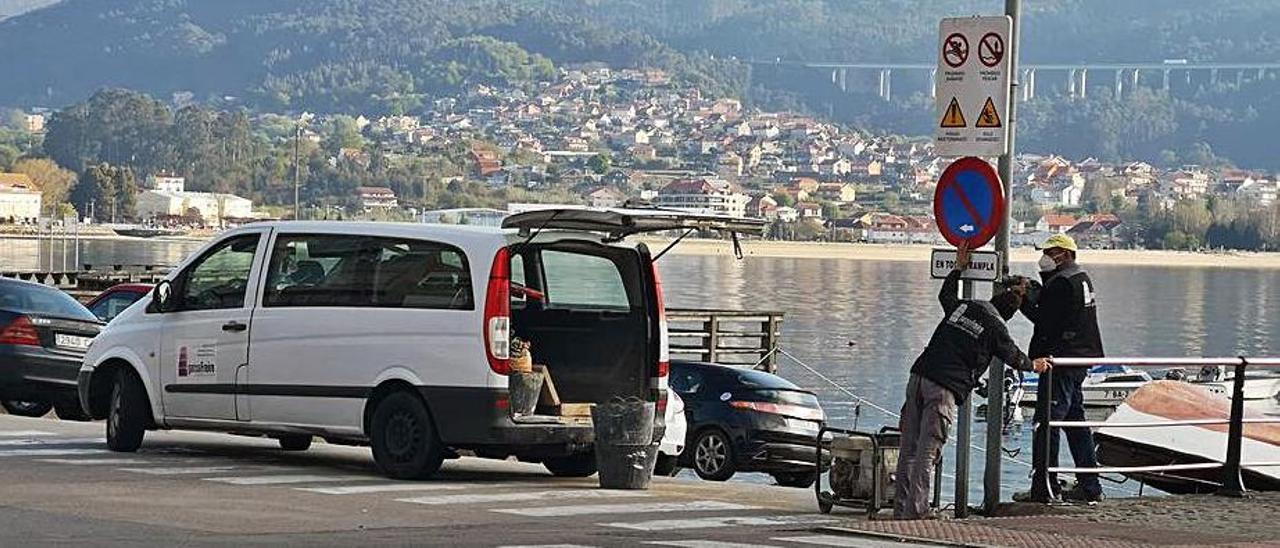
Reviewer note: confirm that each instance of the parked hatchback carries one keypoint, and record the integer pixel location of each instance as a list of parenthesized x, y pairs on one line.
[(43, 336), (743, 420), (395, 335)]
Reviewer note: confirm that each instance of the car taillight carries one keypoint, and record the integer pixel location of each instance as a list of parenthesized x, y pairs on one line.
[(796, 411), (662, 403), (20, 332), (664, 343), (497, 314)]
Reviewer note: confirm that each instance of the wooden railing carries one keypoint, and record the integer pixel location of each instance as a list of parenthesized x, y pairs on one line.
[(736, 337)]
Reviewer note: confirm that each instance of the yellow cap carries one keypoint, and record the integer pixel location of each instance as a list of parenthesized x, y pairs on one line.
[(1061, 241)]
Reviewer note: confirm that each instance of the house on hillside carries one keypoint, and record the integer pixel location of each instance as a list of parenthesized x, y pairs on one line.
[(376, 197), (485, 162), (705, 195), (1055, 223), (604, 196)]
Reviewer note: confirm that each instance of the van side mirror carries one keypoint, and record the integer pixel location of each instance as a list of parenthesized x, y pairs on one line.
[(162, 297)]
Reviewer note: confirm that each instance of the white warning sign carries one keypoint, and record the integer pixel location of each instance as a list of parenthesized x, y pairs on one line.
[(972, 77)]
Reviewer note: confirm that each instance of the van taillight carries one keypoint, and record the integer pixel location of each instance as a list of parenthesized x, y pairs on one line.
[(497, 314), (664, 344), (20, 332)]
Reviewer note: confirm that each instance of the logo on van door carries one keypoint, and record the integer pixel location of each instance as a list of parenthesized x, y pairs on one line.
[(197, 359)]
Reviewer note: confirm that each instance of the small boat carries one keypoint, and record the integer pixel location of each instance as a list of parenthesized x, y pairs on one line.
[(146, 231), (1166, 400), (1110, 385), (1105, 386)]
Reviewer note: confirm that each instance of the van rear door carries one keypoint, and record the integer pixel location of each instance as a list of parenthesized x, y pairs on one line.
[(618, 223)]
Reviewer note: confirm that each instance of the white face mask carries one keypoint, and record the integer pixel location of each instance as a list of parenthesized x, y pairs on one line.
[(1047, 264)]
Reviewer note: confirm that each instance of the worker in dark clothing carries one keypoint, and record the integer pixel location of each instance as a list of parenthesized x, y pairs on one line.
[(962, 346), (1065, 315)]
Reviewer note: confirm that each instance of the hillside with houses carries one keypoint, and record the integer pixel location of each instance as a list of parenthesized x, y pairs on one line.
[(604, 137)]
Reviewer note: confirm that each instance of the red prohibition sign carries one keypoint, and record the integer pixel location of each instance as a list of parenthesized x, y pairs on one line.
[(991, 49), (955, 50)]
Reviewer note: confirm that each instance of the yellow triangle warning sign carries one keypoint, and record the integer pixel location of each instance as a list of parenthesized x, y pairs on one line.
[(989, 118), (953, 117)]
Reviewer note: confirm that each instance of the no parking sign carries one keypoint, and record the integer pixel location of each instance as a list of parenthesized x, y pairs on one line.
[(968, 204)]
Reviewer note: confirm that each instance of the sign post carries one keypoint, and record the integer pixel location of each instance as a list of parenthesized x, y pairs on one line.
[(995, 398)]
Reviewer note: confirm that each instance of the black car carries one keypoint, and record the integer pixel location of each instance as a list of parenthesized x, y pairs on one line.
[(743, 420), (43, 337)]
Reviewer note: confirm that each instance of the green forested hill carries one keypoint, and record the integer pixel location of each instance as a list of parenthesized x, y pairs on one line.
[(392, 55)]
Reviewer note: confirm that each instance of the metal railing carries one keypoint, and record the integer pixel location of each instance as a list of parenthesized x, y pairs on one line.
[(737, 337), (1232, 482)]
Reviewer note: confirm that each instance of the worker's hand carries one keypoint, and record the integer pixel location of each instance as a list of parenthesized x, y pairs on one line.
[(962, 256), (1040, 365)]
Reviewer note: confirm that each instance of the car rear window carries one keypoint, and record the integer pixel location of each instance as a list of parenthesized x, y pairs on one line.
[(795, 397), (41, 301), (580, 280)]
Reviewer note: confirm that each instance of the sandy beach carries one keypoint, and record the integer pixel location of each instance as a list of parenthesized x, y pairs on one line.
[(873, 252)]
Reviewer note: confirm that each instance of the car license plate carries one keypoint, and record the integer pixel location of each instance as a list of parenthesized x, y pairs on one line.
[(807, 426), (1118, 394), (72, 341)]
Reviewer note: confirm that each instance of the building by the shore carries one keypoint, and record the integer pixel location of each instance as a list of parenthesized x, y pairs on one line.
[(20, 201)]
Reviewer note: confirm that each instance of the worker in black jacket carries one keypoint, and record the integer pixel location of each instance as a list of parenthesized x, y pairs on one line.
[(970, 334), (1065, 315)]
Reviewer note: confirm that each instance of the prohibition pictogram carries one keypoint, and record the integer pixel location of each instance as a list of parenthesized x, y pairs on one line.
[(955, 50), (991, 49)]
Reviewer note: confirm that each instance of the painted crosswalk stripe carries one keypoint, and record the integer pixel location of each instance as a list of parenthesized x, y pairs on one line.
[(399, 487), (180, 470), (24, 433), (706, 544), (64, 441), (93, 461), (50, 452), (285, 479), (625, 508), (838, 540), (522, 496), (715, 522)]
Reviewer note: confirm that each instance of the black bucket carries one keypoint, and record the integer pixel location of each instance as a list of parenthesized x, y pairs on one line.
[(624, 445), (523, 389)]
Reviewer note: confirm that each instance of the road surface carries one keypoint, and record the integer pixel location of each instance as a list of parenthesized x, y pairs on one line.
[(60, 485)]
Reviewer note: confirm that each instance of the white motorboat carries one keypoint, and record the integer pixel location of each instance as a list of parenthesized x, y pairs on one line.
[(1110, 385), (1166, 400)]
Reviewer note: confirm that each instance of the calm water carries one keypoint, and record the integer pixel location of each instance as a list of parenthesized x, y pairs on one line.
[(862, 323)]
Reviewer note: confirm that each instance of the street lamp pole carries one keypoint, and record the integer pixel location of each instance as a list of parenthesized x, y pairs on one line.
[(297, 138)]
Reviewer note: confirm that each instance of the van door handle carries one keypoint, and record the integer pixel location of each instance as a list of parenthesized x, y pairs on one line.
[(234, 326)]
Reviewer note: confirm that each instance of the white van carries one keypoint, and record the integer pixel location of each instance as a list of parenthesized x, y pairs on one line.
[(396, 336)]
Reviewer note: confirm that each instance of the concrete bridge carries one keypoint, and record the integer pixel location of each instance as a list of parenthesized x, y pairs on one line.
[(1124, 77)]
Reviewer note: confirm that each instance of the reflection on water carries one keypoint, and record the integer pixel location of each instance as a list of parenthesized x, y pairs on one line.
[(862, 324)]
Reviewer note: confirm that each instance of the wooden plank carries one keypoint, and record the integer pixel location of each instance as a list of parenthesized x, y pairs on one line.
[(549, 397), (576, 409)]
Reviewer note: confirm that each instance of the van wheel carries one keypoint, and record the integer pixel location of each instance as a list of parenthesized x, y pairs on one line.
[(405, 444), (26, 408), (129, 413), (577, 465), (70, 410), (300, 442), (713, 456)]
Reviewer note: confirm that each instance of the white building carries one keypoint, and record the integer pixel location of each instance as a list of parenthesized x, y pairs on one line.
[(167, 183), (376, 197), (210, 206), (704, 195), (19, 199)]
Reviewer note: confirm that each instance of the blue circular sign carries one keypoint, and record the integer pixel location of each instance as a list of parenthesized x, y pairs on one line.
[(968, 204)]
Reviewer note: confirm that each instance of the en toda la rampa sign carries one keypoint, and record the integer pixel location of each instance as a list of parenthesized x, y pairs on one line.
[(972, 86)]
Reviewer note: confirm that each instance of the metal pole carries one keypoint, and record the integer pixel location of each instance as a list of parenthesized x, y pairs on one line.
[(1041, 482), (1232, 483), (297, 137), (964, 430), (995, 372)]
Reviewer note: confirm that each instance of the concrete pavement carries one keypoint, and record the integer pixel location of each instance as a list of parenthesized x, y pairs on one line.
[(60, 485)]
